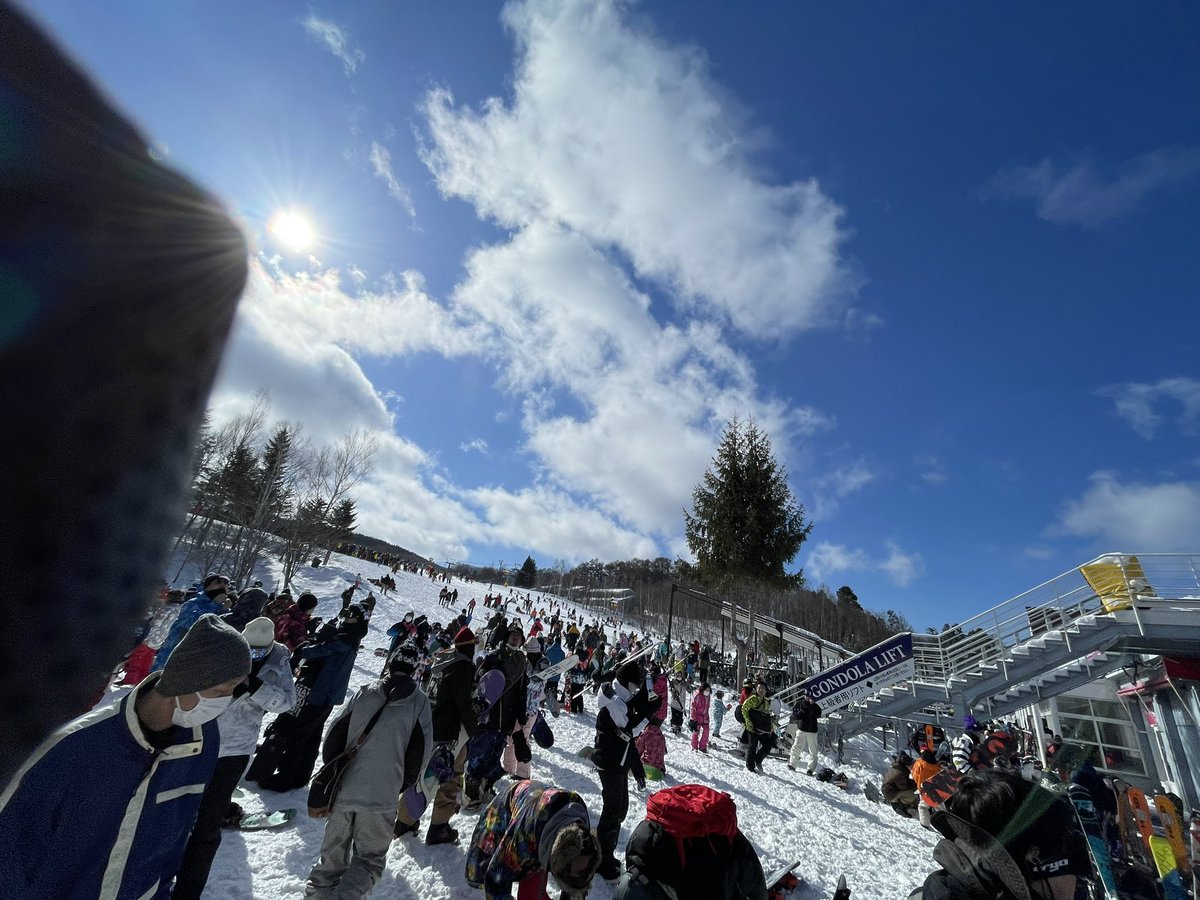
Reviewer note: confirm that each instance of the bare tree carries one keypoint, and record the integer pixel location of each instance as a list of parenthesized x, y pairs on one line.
[(351, 460)]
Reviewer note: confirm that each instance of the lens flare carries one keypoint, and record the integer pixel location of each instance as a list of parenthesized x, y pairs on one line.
[(293, 230)]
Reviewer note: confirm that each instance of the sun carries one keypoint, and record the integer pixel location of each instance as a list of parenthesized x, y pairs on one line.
[(293, 229)]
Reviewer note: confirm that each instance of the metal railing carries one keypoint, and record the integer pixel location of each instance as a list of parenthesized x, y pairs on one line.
[(1130, 584)]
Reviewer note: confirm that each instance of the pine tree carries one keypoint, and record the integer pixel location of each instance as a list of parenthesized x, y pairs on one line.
[(527, 576), (745, 525), (342, 521)]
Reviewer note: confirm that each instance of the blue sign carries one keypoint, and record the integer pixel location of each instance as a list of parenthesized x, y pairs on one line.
[(861, 676)]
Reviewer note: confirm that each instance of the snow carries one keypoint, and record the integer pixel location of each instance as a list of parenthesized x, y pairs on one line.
[(786, 815)]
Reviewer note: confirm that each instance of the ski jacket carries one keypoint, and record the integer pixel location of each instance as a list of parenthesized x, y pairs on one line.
[(509, 707), (189, 612), (451, 686), (967, 873), (620, 719), (652, 746), (241, 722), (662, 688), (160, 625), (678, 692), (896, 781), (333, 678), (535, 690), (964, 747), (554, 655), (805, 714), (662, 867), (98, 812), (921, 771), (515, 834), (395, 753), (248, 606), (756, 715), (292, 628), (700, 708)]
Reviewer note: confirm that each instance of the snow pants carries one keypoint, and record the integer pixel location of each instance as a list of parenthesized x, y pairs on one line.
[(206, 833), (804, 740), (289, 749), (676, 720), (718, 716), (353, 855), (700, 736), (510, 761), (614, 793), (757, 747)]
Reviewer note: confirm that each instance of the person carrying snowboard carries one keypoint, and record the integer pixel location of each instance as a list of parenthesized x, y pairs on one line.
[(502, 717), (624, 711), (358, 826), (760, 727), (455, 722)]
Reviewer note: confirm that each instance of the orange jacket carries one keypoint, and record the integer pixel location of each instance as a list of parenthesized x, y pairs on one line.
[(922, 770)]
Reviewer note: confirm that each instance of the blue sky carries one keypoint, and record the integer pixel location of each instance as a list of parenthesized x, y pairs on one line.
[(947, 256)]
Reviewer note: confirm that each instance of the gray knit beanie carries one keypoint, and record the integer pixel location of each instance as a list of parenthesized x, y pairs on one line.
[(211, 653)]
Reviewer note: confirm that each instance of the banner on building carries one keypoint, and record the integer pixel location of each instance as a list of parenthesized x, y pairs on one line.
[(861, 676)]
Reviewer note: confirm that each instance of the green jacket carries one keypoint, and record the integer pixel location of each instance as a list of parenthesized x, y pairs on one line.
[(756, 714)]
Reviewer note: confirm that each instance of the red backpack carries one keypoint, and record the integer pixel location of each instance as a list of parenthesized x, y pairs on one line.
[(691, 811)]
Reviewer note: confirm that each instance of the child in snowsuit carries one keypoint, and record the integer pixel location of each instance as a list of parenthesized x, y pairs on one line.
[(718, 712), (700, 718), (652, 746)]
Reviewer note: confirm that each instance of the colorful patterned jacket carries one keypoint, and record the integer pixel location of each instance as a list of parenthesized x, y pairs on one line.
[(515, 833)]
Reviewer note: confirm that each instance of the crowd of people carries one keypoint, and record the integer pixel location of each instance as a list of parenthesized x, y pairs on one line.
[(454, 711)]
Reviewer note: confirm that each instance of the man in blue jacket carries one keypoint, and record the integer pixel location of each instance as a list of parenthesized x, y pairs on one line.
[(103, 808)]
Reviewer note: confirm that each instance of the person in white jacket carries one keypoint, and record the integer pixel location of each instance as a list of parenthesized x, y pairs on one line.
[(268, 688)]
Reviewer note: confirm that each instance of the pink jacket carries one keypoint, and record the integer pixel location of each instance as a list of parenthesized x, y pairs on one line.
[(700, 707), (652, 746)]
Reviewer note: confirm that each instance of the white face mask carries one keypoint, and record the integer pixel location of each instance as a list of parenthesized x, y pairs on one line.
[(207, 709)]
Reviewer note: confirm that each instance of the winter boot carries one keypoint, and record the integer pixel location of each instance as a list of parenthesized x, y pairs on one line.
[(403, 828), (441, 834)]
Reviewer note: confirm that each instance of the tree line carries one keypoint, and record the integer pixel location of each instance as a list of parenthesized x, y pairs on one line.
[(256, 488)]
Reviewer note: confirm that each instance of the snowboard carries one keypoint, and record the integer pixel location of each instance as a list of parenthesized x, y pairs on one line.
[(653, 773), (939, 788), (260, 821), (554, 671), (1085, 812), (871, 792), (1141, 814), (487, 691), (1168, 815), (783, 881), (1168, 873)]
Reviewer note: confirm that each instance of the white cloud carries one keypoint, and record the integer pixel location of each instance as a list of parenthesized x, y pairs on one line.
[(381, 162), (1079, 196), (1134, 517), (627, 141), (826, 560), (477, 445), (829, 490), (1138, 404), (356, 274), (1040, 552), (901, 567), (336, 40), (933, 471)]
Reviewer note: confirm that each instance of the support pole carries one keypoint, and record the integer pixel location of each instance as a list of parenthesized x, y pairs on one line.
[(671, 614)]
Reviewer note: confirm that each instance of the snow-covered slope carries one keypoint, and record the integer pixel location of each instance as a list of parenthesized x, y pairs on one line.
[(787, 815)]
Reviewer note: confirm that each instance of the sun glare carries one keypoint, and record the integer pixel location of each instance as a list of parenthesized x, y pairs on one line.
[(292, 229)]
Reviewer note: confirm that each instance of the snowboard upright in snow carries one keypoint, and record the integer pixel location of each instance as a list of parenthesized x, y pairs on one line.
[(1085, 811)]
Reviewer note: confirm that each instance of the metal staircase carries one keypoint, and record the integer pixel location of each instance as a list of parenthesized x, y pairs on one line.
[(1060, 635)]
